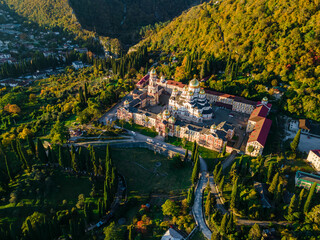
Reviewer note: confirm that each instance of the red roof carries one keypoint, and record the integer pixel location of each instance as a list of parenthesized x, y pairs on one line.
[(144, 80), (174, 83), (317, 152), (259, 113), (261, 131)]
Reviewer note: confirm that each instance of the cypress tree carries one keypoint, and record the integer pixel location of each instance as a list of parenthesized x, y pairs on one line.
[(301, 198), (221, 184), (224, 223), (7, 166), (295, 142), (234, 194), (274, 184), (60, 158), (231, 224), (195, 171), (31, 145), (190, 197), (306, 207), (270, 172), (41, 152), (208, 205), (186, 155), (292, 206)]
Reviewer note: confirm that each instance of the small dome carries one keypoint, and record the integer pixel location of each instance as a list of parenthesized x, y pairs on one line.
[(202, 91), (162, 79), (175, 90), (153, 71), (191, 93), (265, 99), (200, 114), (172, 119), (194, 83), (126, 102), (175, 108), (166, 113), (213, 127)]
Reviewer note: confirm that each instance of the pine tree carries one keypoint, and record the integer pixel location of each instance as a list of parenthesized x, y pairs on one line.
[(278, 194), (295, 142), (274, 184), (306, 207), (224, 150)]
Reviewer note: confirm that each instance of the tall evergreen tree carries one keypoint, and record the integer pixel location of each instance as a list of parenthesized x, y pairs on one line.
[(42, 156), (295, 142), (301, 199), (208, 205), (293, 205), (195, 171), (31, 145), (306, 207), (234, 194), (224, 222), (186, 155), (190, 196), (270, 172), (274, 184), (221, 184)]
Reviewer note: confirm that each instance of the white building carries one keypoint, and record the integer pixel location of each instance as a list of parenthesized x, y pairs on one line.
[(77, 65), (190, 103), (314, 159)]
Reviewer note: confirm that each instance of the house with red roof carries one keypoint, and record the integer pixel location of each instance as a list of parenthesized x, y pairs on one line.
[(258, 137), (258, 128), (314, 159)]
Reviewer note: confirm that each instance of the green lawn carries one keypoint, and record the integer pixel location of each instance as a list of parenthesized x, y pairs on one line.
[(210, 156), (138, 167), (137, 128)]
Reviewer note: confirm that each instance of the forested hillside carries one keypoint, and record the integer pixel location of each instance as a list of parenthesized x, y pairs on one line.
[(52, 13), (275, 42), (113, 18)]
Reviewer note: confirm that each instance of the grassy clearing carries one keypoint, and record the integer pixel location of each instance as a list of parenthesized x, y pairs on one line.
[(140, 129), (138, 166)]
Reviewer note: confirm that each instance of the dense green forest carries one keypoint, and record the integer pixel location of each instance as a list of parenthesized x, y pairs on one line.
[(271, 42), (119, 19)]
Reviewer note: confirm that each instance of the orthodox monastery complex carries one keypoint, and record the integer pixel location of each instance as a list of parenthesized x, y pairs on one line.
[(187, 111)]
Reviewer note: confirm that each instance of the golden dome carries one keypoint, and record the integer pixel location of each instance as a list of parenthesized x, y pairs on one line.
[(202, 91), (191, 93)]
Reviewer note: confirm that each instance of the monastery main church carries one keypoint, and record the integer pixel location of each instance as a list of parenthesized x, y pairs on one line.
[(188, 112)]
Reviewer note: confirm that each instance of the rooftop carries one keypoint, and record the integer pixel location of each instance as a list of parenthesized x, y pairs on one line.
[(308, 177), (261, 131), (317, 152)]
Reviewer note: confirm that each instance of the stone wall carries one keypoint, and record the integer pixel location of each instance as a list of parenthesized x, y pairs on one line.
[(153, 147)]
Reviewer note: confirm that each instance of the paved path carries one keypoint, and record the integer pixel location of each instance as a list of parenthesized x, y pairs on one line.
[(197, 209)]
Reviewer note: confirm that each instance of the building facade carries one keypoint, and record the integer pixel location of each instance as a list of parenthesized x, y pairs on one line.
[(314, 159), (189, 110)]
